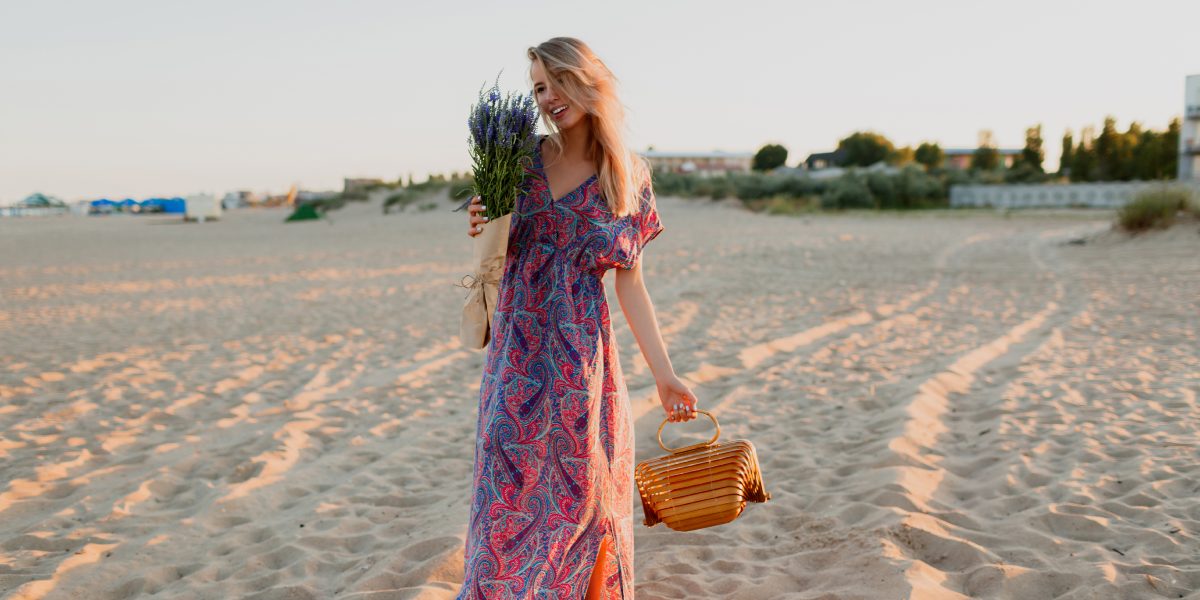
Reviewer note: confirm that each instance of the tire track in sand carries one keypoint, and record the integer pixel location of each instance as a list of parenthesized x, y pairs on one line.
[(927, 542)]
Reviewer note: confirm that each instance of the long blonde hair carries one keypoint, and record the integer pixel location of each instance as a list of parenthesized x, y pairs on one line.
[(577, 73)]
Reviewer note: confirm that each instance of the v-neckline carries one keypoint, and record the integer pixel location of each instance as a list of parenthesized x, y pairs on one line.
[(546, 178)]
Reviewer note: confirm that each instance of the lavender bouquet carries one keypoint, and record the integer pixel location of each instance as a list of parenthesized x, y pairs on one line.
[(503, 131), (503, 134)]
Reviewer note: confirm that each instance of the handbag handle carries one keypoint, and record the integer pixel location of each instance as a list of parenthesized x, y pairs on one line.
[(685, 448)]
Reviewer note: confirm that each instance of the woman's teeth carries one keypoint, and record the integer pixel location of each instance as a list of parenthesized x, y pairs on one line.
[(558, 110)]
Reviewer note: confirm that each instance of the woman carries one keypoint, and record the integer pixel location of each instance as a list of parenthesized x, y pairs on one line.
[(553, 474)]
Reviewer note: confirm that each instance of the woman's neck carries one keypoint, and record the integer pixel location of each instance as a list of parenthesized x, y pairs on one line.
[(576, 141)]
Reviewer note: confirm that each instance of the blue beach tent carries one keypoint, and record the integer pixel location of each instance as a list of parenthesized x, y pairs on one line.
[(163, 205), (174, 205)]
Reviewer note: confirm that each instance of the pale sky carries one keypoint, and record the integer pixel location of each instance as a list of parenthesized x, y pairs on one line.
[(164, 98)]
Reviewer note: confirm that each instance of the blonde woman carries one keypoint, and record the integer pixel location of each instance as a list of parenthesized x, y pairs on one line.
[(553, 475)]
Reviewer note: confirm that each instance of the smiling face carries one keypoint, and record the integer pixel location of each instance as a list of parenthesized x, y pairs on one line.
[(561, 111)]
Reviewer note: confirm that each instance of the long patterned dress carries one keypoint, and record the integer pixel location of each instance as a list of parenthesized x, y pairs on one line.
[(553, 472)]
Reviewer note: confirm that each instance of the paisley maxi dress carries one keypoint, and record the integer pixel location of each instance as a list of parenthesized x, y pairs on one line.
[(553, 470)]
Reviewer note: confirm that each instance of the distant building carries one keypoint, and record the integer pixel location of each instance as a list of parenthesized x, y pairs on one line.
[(36, 205), (353, 187), (303, 196), (240, 199), (701, 163), (1189, 134), (960, 158), (40, 200), (823, 160)]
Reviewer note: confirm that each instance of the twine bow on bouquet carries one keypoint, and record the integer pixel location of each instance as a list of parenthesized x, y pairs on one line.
[(482, 289), (503, 134)]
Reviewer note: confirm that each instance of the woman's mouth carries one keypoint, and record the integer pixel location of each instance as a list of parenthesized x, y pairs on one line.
[(558, 112)]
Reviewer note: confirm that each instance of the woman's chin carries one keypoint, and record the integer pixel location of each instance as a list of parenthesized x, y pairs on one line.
[(569, 125)]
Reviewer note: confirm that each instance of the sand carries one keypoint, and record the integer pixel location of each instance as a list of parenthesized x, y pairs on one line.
[(953, 405)]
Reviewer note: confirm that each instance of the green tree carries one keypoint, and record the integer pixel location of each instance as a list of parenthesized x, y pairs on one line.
[(769, 157), (847, 191), (1107, 151), (1064, 163), (1126, 167), (1134, 154), (930, 155), (1170, 158), (883, 190), (1083, 159), (1146, 155), (1155, 154), (1023, 172), (1032, 154), (900, 156), (986, 157), (864, 148)]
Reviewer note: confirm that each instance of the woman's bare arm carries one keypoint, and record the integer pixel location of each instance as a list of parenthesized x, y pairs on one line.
[(639, 313)]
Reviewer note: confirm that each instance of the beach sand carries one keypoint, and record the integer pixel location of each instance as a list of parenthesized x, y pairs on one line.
[(950, 405)]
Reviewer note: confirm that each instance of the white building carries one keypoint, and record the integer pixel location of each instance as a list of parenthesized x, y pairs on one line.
[(1189, 135), (202, 207), (1100, 194), (702, 163)]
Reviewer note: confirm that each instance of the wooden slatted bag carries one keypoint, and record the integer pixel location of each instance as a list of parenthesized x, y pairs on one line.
[(700, 485)]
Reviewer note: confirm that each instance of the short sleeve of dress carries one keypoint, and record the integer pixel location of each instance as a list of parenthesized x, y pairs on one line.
[(646, 223), (650, 225)]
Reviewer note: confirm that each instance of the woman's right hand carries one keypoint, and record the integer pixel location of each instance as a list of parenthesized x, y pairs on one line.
[(677, 398), (475, 212)]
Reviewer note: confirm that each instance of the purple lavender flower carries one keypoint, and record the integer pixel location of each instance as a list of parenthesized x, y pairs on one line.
[(502, 131)]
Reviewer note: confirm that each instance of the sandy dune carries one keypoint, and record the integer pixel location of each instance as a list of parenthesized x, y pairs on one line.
[(946, 406)]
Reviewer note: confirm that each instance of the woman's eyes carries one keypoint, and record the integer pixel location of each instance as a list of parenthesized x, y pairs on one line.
[(538, 90)]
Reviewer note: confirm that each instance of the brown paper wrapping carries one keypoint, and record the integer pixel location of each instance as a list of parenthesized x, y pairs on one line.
[(484, 284)]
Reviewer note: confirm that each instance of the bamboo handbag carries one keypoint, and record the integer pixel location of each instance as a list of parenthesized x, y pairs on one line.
[(700, 485)]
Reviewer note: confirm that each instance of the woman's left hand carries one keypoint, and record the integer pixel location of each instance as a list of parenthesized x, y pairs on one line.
[(677, 398)]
